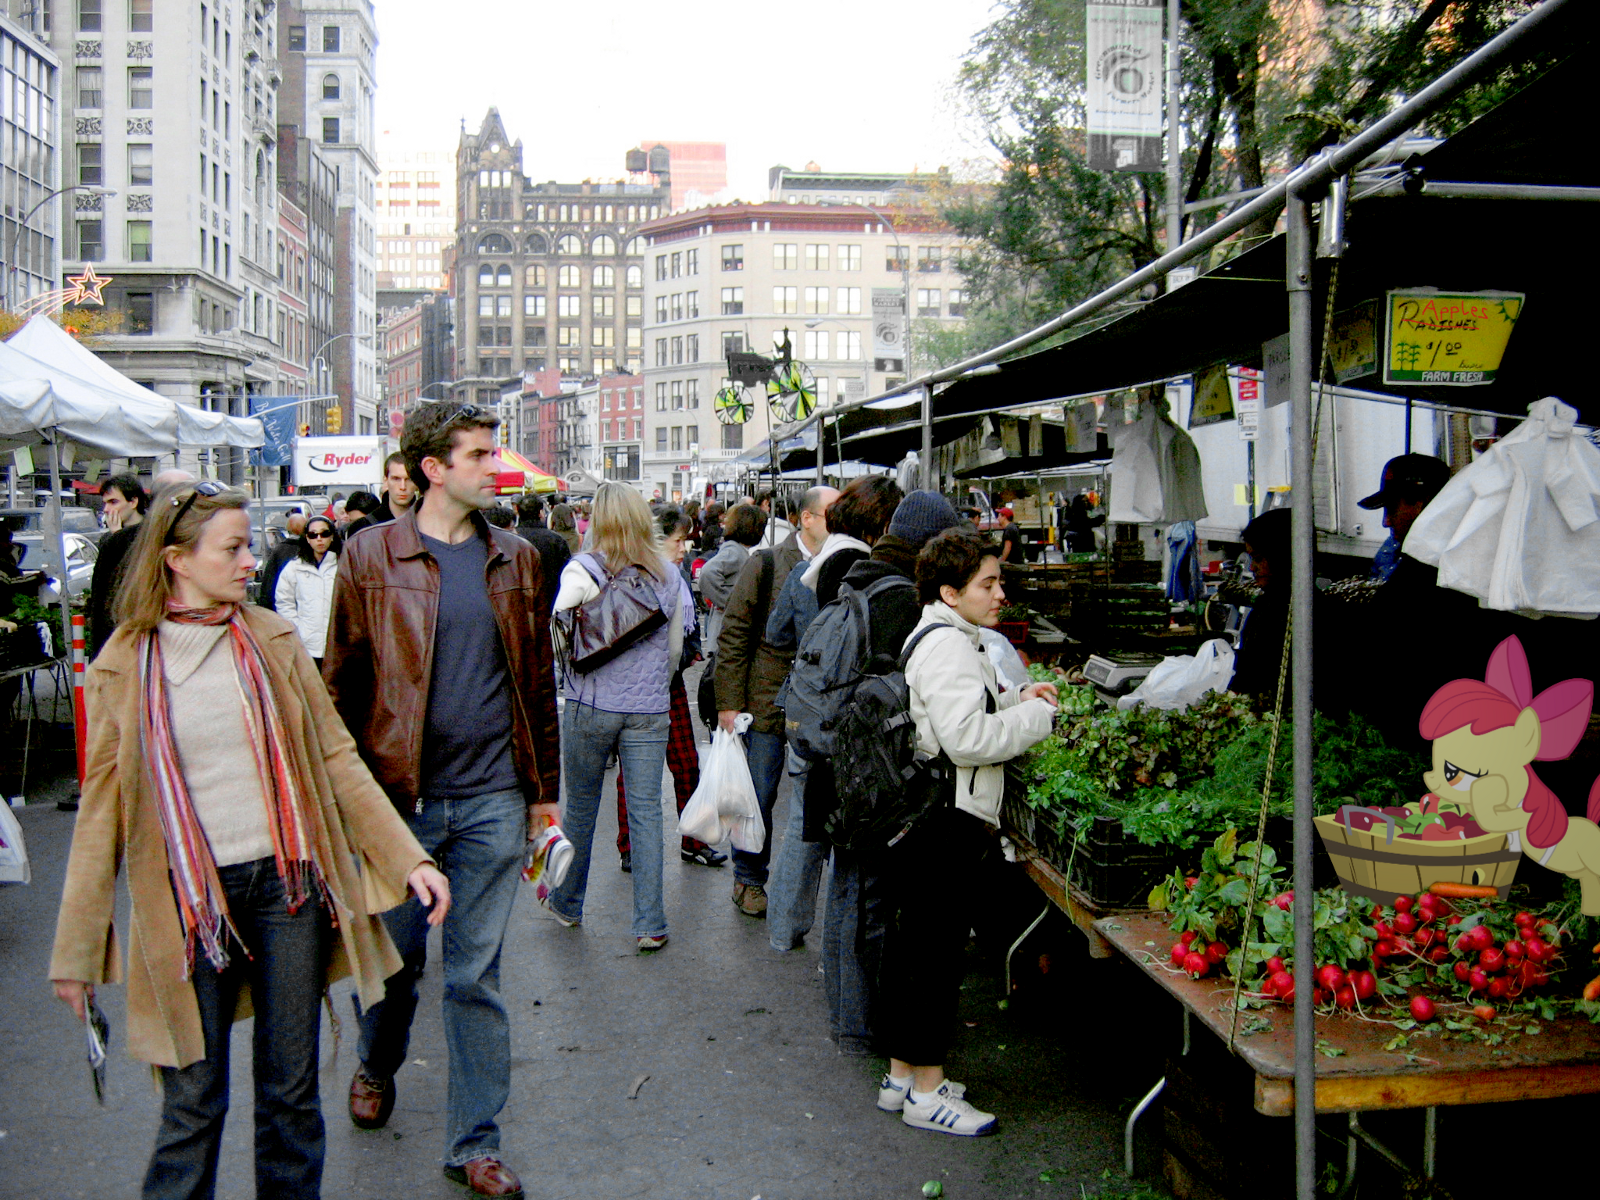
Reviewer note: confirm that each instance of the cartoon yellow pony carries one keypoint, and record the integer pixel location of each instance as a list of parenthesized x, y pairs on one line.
[(1486, 735)]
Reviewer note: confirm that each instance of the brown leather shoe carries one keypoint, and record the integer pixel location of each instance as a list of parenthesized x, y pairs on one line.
[(371, 1100), (750, 899), (487, 1176)]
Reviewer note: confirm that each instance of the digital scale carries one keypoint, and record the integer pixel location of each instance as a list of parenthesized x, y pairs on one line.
[(1115, 675)]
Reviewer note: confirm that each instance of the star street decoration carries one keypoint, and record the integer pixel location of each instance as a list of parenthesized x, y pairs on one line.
[(86, 287)]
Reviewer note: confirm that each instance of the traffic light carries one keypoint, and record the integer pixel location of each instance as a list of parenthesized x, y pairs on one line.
[(335, 419), (305, 428)]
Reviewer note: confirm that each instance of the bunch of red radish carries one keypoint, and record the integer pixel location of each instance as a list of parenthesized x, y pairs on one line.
[(1414, 931)]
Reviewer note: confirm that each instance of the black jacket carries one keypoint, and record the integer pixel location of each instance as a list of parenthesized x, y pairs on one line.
[(113, 553), (276, 562), (553, 556)]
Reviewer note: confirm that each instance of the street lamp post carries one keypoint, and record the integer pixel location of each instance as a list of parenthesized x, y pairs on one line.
[(319, 365), (904, 254), (22, 225)]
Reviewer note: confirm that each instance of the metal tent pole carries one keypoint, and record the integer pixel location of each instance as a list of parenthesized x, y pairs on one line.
[(1174, 118), (1301, 368)]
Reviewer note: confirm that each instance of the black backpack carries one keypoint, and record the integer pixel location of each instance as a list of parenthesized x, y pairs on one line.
[(884, 783), (828, 664)]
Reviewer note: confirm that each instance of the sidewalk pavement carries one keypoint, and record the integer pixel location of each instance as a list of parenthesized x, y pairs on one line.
[(745, 1097)]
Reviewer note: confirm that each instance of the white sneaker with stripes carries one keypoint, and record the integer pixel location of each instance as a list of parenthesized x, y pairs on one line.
[(945, 1112), (892, 1092)]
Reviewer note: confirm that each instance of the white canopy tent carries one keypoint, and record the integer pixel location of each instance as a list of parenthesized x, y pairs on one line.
[(88, 416), (59, 355)]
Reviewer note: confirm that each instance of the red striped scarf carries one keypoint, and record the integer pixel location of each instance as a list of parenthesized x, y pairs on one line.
[(201, 902)]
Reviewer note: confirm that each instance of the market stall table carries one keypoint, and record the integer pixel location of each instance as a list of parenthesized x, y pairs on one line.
[(1355, 1074)]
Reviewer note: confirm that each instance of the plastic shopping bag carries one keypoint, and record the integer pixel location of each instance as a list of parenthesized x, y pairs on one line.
[(14, 866), (1182, 679), (724, 805)]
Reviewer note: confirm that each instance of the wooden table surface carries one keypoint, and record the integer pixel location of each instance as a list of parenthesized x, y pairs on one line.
[(1563, 1059)]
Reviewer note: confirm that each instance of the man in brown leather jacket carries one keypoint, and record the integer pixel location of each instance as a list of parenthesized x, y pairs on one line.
[(439, 661)]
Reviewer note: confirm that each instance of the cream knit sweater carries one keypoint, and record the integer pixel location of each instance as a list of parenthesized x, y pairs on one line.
[(213, 741)]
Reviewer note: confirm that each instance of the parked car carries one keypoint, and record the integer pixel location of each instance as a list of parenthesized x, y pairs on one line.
[(81, 553), (83, 521)]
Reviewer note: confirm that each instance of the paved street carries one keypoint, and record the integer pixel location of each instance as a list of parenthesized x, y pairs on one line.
[(746, 1095)]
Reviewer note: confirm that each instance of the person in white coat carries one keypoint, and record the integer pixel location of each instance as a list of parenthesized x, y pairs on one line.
[(304, 594), (935, 870)]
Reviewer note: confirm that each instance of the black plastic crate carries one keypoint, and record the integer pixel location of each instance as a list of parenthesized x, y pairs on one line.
[(1115, 871)]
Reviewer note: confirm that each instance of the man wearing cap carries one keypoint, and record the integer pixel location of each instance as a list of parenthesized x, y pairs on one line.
[(1410, 482), (1010, 537), (1414, 634)]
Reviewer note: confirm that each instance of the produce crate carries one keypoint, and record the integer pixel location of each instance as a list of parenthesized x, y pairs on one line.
[(1137, 570), (21, 647), (1374, 866), (1124, 551), (1122, 609), (1113, 870)]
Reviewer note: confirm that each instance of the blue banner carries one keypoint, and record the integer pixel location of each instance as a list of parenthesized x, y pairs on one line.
[(279, 426)]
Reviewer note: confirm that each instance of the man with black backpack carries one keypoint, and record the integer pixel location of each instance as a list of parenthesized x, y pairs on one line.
[(749, 671), (864, 631)]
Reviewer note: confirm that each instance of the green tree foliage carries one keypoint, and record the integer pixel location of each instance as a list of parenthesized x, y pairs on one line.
[(1266, 83)]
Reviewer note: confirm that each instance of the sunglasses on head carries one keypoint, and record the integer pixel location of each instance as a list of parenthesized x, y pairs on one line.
[(206, 487), (470, 411)]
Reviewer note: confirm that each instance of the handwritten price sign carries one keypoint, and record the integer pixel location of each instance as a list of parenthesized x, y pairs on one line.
[(1451, 338)]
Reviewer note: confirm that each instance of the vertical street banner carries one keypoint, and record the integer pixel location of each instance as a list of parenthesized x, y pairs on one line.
[(1124, 94), (888, 328), (278, 449)]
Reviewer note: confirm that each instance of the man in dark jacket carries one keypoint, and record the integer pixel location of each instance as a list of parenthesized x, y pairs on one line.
[(294, 526), (749, 672), (125, 502), (399, 493), (850, 960), (552, 547)]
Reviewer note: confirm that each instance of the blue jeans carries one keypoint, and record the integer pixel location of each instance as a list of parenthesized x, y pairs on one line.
[(766, 753), (479, 844), (588, 736), (284, 960), (852, 951), (796, 876)]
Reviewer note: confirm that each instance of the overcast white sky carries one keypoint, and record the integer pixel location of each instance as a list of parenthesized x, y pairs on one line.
[(857, 85)]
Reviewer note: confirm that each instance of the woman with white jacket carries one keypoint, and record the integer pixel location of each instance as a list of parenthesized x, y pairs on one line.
[(304, 596), (935, 870)]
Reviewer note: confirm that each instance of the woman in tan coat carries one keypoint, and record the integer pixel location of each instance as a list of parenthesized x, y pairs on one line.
[(219, 773)]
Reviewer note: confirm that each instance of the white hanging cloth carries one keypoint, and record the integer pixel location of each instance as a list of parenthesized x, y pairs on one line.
[(1155, 471), (1520, 528)]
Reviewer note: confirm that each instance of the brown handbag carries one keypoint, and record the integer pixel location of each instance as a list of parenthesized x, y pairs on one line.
[(626, 611)]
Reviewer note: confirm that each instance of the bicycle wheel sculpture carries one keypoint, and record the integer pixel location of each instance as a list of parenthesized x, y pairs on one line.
[(792, 390), (733, 405)]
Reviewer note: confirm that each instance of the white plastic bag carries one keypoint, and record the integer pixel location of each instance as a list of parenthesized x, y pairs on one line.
[(724, 805), (1182, 679), (14, 867)]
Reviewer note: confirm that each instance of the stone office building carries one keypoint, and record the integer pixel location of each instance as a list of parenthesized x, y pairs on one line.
[(547, 275)]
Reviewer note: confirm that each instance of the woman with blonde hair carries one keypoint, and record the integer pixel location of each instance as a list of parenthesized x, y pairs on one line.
[(219, 772), (622, 611)]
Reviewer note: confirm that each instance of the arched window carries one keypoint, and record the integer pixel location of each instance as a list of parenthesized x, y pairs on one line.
[(605, 277), (330, 87), (485, 276), (568, 243), (536, 244), (494, 243), (569, 276), (502, 277), (603, 246), (634, 246), (635, 276)]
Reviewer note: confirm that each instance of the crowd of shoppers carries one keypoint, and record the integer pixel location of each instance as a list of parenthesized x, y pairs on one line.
[(300, 796)]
